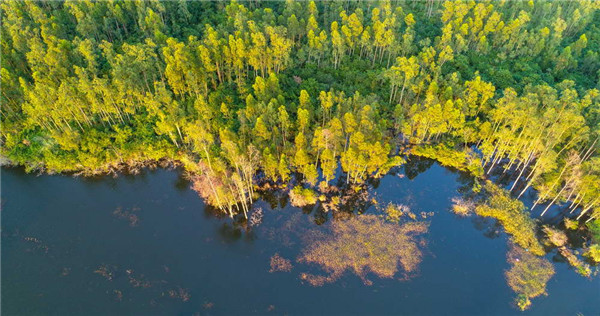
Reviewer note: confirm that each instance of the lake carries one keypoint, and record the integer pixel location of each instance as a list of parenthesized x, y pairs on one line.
[(146, 244)]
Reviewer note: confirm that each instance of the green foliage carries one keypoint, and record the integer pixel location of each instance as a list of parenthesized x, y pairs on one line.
[(462, 159), (300, 196), (571, 224), (594, 227), (237, 89), (593, 252), (246, 93)]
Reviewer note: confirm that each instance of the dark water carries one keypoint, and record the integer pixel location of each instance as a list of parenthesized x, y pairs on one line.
[(164, 253)]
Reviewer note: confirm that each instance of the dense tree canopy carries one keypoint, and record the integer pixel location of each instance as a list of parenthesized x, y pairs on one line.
[(274, 91)]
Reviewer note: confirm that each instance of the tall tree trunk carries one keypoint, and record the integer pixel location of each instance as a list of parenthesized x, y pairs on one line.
[(522, 170)]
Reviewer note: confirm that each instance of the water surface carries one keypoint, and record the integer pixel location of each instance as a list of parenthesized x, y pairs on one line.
[(147, 244)]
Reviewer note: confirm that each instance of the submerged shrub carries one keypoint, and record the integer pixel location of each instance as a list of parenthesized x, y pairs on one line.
[(527, 276), (300, 196), (556, 237), (462, 207), (363, 244)]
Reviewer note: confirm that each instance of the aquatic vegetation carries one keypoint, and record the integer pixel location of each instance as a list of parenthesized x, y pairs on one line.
[(425, 215), (593, 251), (462, 207), (280, 264), (559, 239), (333, 204), (580, 266), (240, 97), (288, 231), (300, 196), (118, 295), (180, 294), (256, 217), (511, 214), (527, 276), (128, 215), (364, 244), (137, 281), (208, 305), (240, 105), (65, 271), (37, 245), (393, 212), (107, 271)]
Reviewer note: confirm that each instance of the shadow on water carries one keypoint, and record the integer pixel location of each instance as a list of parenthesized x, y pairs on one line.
[(229, 233), (490, 228), (182, 183), (416, 165)]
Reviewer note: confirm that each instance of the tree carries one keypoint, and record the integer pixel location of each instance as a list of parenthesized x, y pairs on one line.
[(401, 74)]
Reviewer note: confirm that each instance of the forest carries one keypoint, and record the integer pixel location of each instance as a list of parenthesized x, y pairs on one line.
[(307, 96)]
